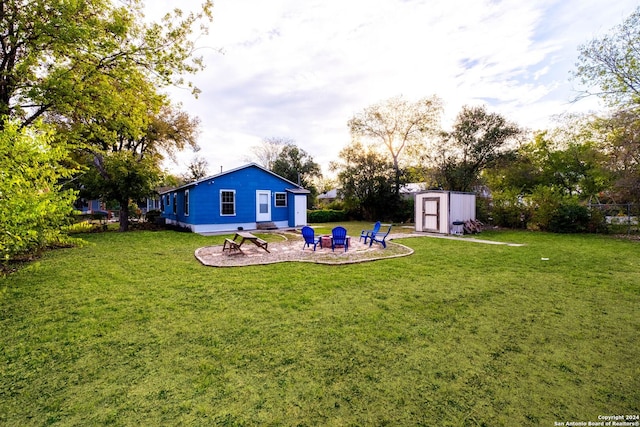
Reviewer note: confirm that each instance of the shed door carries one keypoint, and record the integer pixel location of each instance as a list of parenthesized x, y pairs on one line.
[(431, 214), (263, 205)]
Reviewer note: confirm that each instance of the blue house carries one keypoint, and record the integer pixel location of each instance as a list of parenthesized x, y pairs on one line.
[(91, 206), (248, 197)]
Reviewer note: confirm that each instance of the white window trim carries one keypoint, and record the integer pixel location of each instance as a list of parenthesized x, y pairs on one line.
[(275, 200), (175, 203), (186, 203), (235, 210)]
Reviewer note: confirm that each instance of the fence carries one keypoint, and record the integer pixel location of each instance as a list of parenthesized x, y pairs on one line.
[(619, 217)]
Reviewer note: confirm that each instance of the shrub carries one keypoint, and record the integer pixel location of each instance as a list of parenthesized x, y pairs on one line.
[(597, 221), (544, 202), (569, 218), (483, 210), (406, 211), (326, 215), (560, 213), (34, 206), (134, 211), (508, 209), (152, 216), (336, 205)]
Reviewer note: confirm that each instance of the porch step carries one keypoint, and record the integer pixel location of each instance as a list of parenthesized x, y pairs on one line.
[(266, 225)]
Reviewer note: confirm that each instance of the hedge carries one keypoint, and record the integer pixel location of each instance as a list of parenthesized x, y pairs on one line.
[(326, 215)]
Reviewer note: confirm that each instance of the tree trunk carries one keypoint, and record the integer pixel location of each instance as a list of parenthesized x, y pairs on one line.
[(396, 167), (124, 215)]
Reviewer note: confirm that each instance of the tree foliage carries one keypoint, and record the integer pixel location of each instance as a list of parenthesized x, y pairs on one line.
[(34, 204), (131, 125), (478, 138), (196, 170), (542, 184), (269, 150), (54, 51), (122, 177), (296, 165), (96, 68), (572, 165), (612, 64), (366, 179), (396, 125), (620, 144)]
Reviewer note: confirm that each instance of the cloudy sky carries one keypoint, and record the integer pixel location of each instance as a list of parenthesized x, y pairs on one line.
[(302, 69)]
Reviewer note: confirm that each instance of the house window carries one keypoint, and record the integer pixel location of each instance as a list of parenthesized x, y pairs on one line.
[(186, 202), (227, 202), (263, 202), (168, 200), (281, 200), (175, 203)]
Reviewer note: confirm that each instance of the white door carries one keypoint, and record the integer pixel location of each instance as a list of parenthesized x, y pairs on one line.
[(300, 207), (263, 205), (431, 214)]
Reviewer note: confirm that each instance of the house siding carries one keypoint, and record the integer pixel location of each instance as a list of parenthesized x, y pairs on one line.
[(204, 201)]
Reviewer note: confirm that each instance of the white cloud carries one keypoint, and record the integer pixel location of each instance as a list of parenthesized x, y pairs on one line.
[(302, 69)]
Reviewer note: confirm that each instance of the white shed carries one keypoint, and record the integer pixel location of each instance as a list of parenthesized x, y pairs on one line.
[(444, 211)]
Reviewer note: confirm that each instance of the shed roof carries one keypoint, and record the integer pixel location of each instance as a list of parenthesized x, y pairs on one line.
[(298, 190), (446, 191)]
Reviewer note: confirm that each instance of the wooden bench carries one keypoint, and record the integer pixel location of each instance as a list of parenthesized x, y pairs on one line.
[(262, 244), (232, 247)]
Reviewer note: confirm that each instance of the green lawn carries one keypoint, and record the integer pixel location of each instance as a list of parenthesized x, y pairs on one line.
[(132, 330)]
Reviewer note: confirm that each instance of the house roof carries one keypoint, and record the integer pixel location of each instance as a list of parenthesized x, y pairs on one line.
[(331, 194), (412, 187), (296, 188)]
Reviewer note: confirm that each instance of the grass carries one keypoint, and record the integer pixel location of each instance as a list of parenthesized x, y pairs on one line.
[(132, 330)]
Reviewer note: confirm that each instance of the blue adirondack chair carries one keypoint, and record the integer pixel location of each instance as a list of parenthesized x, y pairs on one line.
[(339, 238), (310, 238), (367, 233), (376, 238)]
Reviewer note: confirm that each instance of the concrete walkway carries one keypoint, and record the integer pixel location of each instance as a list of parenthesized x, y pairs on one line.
[(450, 237)]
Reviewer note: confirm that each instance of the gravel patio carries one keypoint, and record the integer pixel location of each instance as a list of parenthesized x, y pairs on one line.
[(290, 248)]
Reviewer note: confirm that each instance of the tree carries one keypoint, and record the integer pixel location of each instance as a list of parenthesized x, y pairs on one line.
[(397, 124), (366, 180), (570, 165), (269, 149), (122, 177), (545, 183), (196, 170), (34, 202), (612, 63), (620, 136), (478, 138), (297, 166), (124, 138), (96, 69), (53, 51)]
